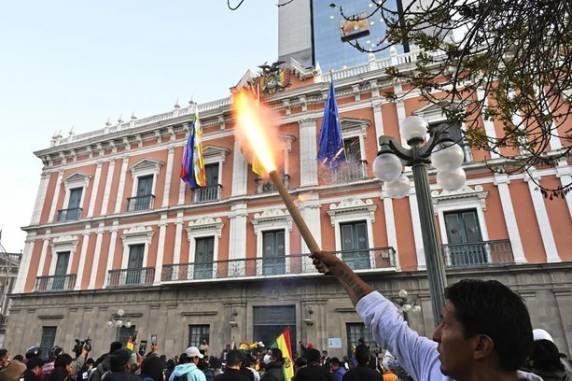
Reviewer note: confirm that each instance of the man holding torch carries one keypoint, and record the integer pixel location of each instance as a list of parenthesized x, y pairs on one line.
[(485, 333)]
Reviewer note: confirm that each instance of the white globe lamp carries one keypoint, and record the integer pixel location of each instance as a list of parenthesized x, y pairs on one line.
[(398, 188), (451, 180), (387, 167), (414, 128), (447, 156)]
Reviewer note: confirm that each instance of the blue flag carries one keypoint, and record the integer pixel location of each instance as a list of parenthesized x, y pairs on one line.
[(331, 152)]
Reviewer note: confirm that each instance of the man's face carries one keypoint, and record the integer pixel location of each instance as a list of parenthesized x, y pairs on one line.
[(455, 351), (195, 360)]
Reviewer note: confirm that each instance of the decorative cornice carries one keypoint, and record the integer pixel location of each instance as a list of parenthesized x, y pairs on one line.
[(138, 232), (466, 192), (205, 225), (274, 216), (352, 206)]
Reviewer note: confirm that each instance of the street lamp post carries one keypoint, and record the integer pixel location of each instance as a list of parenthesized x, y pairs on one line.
[(446, 156)]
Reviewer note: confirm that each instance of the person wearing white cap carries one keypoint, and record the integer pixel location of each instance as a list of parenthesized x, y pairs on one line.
[(540, 334), (188, 370)]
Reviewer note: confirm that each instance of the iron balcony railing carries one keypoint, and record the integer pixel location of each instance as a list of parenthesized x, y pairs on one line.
[(350, 171), (143, 276), (485, 253), (367, 259), (55, 283), (140, 202), (71, 214), (209, 193)]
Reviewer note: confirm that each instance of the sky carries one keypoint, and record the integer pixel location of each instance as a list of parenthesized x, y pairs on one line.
[(67, 64)]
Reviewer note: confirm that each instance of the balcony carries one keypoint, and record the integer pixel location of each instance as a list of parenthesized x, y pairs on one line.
[(206, 194), (66, 215), (296, 264), (267, 186), (131, 277), (479, 254), (350, 172), (140, 202), (55, 283)]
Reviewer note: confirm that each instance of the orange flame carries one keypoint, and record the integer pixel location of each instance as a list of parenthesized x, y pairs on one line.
[(256, 130)]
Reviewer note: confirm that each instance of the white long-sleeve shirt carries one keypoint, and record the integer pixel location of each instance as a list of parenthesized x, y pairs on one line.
[(416, 354)]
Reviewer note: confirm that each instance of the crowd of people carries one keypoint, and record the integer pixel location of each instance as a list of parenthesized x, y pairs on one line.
[(195, 364)]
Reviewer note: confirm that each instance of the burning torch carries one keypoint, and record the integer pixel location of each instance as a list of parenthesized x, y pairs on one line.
[(256, 132)]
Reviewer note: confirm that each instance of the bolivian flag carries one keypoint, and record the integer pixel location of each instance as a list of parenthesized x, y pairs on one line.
[(283, 343)]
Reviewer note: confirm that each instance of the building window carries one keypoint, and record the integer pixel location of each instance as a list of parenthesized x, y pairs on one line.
[(204, 257), (357, 332), (135, 264), (355, 244), (74, 186), (198, 333), (144, 197), (465, 245), (61, 270), (271, 321), (211, 191), (273, 252), (124, 334), (48, 340)]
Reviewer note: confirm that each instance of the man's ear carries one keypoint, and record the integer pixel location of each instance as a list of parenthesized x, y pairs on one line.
[(484, 347)]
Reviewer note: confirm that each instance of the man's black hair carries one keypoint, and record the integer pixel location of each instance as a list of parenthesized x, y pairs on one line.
[(34, 362), (312, 355), (62, 360), (3, 352), (19, 358), (545, 356), (490, 308), (115, 346), (233, 358), (277, 354), (335, 361), (362, 354)]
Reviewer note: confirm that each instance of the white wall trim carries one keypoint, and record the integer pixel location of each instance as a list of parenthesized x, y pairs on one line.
[(121, 186), (160, 249), (107, 189), (95, 189), (40, 198), (111, 252), (308, 153), (96, 256), (168, 176), (82, 255), (417, 234), (542, 219), (56, 196), (501, 182)]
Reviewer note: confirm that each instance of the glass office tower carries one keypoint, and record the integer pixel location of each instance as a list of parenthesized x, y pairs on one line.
[(329, 51)]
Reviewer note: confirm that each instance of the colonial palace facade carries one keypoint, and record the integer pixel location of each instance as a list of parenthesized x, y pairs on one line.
[(118, 244)]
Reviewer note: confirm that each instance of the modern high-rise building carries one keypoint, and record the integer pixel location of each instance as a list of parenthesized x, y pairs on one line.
[(311, 31), (118, 243)]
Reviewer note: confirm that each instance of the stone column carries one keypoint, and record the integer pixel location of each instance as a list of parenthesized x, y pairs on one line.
[(111, 252), (239, 172), (40, 198), (178, 238), (43, 254), (56, 196), (502, 181), (82, 255), (107, 189), (121, 187), (378, 121), (489, 125), (25, 263), (168, 176), (311, 212), (237, 239), (564, 172), (96, 255), (94, 189), (160, 249), (390, 227), (542, 218), (308, 153)]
